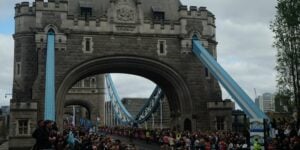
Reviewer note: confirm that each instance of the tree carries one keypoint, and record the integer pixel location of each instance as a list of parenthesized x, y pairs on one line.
[(286, 28)]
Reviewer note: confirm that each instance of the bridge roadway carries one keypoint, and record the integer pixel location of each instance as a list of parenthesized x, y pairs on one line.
[(139, 144)]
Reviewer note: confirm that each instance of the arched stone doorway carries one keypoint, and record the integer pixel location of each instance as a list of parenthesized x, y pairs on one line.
[(74, 114), (166, 77), (88, 106), (187, 125)]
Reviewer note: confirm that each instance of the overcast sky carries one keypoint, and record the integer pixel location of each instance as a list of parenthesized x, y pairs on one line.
[(244, 49)]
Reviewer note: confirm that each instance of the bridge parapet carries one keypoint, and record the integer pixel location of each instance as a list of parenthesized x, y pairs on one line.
[(195, 12), (24, 8), (226, 104), (52, 5), (24, 105)]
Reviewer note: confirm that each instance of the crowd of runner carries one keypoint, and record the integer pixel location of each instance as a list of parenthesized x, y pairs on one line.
[(283, 136), (172, 139), (74, 138)]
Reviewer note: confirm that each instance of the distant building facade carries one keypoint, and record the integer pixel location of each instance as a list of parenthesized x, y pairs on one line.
[(266, 102), (4, 122)]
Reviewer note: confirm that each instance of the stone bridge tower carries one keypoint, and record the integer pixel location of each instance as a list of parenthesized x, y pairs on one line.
[(150, 38)]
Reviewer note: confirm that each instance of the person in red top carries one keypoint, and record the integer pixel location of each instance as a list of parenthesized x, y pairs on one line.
[(222, 145), (165, 140), (207, 145)]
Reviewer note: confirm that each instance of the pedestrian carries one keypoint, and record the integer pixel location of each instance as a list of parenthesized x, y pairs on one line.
[(42, 136), (256, 145), (36, 134)]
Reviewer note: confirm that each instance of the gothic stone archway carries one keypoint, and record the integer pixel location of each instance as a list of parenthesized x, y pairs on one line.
[(174, 86)]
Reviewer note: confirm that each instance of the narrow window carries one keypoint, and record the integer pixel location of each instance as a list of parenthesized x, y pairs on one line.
[(87, 83), (87, 44), (23, 127), (220, 123), (161, 47), (93, 82), (18, 69), (207, 73)]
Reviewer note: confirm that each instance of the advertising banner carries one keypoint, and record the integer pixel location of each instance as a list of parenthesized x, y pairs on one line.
[(257, 134)]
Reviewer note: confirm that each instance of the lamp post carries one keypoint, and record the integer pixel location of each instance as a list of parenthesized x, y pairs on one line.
[(161, 117)]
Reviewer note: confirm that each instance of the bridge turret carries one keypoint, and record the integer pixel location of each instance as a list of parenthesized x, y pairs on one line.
[(24, 17)]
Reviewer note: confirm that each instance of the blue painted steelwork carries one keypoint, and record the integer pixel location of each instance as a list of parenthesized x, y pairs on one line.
[(150, 106), (121, 112), (225, 79), (49, 113)]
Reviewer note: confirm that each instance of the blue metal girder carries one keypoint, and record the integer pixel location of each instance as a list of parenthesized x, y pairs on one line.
[(49, 113), (119, 109), (121, 112), (150, 106), (243, 100)]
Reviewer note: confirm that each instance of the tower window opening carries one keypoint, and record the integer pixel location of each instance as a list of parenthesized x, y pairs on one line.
[(86, 12), (22, 127), (87, 83), (207, 73), (87, 44), (18, 69), (220, 122), (161, 47), (158, 14), (93, 82)]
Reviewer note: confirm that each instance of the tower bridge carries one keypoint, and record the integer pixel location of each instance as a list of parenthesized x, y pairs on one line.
[(60, 42)]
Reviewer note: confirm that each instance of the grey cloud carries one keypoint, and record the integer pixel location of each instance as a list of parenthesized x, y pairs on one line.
[(7, 8), (238, 10), (6, 65), (133, 86), (6, 61)]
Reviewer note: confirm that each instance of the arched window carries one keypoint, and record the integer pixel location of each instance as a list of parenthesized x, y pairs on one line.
[(187, 125), (51, 31), (93, 82), (87, 83)]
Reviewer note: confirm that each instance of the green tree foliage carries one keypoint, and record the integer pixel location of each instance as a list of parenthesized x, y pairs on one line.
[(286, 28)]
